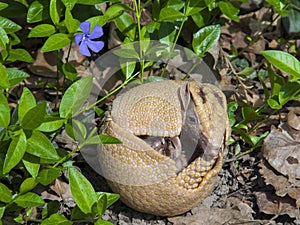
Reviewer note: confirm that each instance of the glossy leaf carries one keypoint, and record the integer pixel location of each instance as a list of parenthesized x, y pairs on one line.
[(126, 25), (56, 42), (56, 219), (54, 15), (32, 167), (20, 55), (82, 191), (15, 152), (3, 5), (69, 71), (48, 175), (4, 40), (27, 102), (36, 11), (2, 210), (29, 199), (284, 61), (71, 23), (75, 96), (194, 7), (229, 10), (4, 111), (111, 197), (34, 117), (101, 205), (5, 195), (42, 30), (15, 76), (51, 124), (4, 82), (102, 222), (69, 4), (27, 185), (170, 14), (8, 25), (102, 139), (205, 39), (39, 145)]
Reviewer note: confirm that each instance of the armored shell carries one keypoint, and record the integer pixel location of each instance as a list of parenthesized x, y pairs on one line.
[(173, 135)]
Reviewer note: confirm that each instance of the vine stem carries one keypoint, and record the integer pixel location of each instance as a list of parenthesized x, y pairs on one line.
[(138, 13)]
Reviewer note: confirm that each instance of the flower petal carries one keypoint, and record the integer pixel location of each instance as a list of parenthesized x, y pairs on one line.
[(85, 27), (95, 46), (96, 33), (83, 49), (78, 38)]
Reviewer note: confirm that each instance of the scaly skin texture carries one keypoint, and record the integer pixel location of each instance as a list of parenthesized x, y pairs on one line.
[(146, 179)]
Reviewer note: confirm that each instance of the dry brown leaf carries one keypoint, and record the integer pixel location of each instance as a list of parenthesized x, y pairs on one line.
[(215, 216), (281, 184), (63, 190), (270, 203), (293, 118), (282, 151)]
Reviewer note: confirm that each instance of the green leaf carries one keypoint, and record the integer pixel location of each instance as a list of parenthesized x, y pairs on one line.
[(231, 108), (29, 199), (48, 175), (34, 117), (32, 167), (170, 14), (101, 206), (126, 53), (284, 61), (248, 113), (39, 145), (54, 15), (69, 4), (56, 42), (103, 222), (71, 23), (229, 10), (15, 76), (69, 71), (4, 40), (8, 25), (27, 185), (37, 11), (15, 152), (4, 82), (111, 197), (42, 30), (75, 96), (82, 191), (290, 91), (114, 11), (102, 139), (128, 68), (51, 124), (126, 25), (20, 55), (195, 7), (100, 20), (4, 111), (27, 102), (2, 210), (6, 195), (3, 5), (94, 2), (56, 219), (274, 104), (205, 39)]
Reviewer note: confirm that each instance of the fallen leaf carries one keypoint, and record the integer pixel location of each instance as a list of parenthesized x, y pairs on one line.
[(280, 183), (282, 151)]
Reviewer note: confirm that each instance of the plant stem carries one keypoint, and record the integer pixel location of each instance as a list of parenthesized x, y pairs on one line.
[(138, 13)]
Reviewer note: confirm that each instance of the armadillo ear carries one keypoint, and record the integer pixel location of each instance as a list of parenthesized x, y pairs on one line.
[(190, 131)]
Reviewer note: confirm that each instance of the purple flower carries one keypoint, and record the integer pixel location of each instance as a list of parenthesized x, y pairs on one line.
[(86, 40)]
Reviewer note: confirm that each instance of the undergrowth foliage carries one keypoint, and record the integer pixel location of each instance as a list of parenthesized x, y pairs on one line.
[(28, 130)]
